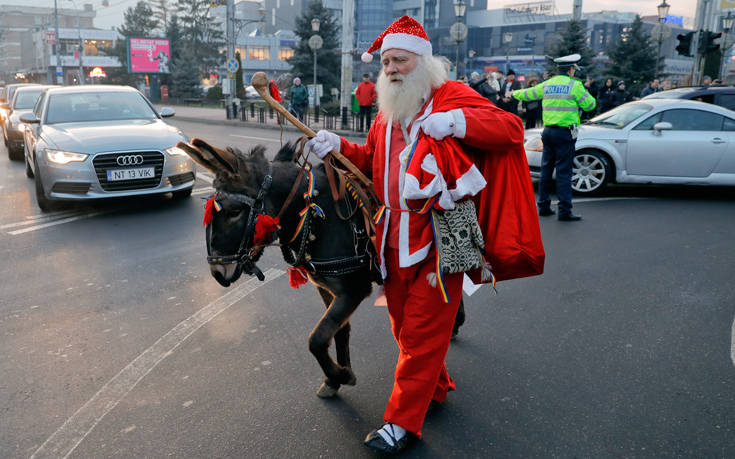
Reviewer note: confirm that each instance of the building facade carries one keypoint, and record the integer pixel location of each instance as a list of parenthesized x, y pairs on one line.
[(20, 26)]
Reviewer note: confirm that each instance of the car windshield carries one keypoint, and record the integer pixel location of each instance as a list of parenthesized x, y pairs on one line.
[(97, 106), (26, 98), (622, 116)]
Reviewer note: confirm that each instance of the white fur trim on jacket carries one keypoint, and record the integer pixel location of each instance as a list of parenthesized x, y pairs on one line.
[(469, 184)]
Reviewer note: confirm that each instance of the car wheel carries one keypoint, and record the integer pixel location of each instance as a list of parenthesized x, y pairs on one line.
[(182, 194), (14, 153), (29, 171), (590, 172), (44, 203)]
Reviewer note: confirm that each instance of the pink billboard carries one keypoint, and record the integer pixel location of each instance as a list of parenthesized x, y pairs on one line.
[(149, 55)]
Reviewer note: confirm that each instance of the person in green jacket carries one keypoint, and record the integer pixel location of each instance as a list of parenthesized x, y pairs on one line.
[(562, 97), (299, 97)]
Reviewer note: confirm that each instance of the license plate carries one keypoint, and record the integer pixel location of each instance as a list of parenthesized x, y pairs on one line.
[(130, 174)]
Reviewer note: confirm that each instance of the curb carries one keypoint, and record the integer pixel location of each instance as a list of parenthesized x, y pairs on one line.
[(249, 124)]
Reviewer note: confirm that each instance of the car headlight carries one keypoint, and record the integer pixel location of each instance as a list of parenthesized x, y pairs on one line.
[(534, 143), (176, 151), (64, 157)]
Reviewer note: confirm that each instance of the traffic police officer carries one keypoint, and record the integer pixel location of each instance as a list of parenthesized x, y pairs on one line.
[(562, 96)]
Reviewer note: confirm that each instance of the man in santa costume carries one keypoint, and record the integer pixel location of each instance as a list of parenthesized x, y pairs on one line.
[(416, 100)]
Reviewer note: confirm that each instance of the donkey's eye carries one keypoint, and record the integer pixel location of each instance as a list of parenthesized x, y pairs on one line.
[(233, 213)]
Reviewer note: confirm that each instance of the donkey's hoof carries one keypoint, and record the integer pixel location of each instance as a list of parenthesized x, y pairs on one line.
[(349, 377), (326, 391)]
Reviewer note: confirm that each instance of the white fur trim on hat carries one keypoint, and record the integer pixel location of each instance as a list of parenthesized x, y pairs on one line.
[(366, 57), (406, 41)]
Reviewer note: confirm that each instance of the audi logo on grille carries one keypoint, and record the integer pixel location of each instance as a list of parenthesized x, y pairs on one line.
[(129, 160)]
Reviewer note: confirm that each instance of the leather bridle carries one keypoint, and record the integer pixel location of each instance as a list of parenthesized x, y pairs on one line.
[(244, 256)]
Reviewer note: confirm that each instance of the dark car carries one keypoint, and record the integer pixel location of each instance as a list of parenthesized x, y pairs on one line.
[(23, 101), (724, 96), (6, 95)]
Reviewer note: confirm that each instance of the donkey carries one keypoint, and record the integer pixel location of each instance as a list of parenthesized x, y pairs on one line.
[(337, 252)]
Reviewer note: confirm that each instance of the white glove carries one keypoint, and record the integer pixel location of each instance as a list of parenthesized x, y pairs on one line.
[(441, 124), (323, 143)]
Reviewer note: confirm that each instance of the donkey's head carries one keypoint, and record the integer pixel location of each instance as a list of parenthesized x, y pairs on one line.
[(241, 189)]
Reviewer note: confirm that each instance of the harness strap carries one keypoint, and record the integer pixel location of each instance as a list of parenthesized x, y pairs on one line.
[(297, 182)]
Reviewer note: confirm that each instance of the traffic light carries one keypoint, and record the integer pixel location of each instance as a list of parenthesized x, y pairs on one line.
[(684, 48), (709, 41)]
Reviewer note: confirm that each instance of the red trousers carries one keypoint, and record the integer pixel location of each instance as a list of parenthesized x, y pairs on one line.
[(422, 326)]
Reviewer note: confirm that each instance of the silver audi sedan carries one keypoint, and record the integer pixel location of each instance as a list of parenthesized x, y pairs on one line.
[(96, 141), (665, 141)]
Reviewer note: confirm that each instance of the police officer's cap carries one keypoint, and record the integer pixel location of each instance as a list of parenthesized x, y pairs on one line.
[(568, 61)]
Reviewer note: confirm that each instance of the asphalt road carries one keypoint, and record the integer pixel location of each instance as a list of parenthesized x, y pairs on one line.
[(116, 342)]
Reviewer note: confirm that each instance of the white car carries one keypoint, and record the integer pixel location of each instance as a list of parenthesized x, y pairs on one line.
[(664, 141)]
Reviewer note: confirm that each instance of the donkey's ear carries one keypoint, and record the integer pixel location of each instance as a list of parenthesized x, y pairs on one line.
[(204, 159), (226, 158)]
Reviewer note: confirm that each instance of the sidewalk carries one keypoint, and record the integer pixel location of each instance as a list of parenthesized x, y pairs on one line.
[(218, 116)]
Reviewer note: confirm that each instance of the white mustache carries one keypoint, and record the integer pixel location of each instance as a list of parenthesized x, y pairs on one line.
[(396, 77)]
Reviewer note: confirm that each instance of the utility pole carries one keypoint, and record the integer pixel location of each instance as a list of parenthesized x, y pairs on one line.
[(577, 10), (348, 32), (702, 14), (230, 26), (59, 78)]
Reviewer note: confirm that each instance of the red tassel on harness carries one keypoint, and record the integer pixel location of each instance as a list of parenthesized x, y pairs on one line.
[(297, 276), (208, 212), (273, 88), (264, 227)]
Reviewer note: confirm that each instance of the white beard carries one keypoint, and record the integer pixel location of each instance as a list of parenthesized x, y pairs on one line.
[(402, 100)]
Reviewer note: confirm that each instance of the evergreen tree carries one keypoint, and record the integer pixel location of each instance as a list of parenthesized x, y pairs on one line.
[(328, 59), (173, 33), (185, 82), (633, 58), (162, 13), (572, 40), (200, 34), (138, 21)]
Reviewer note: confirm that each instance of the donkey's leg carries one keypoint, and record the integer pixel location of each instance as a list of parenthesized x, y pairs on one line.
[(342, 345), (331, 322)]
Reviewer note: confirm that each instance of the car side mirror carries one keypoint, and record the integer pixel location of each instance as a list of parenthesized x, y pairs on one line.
[(29, 118), (661, 126), (167, 112)]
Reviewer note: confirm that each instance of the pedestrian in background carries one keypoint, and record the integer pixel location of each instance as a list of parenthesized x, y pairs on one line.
[(651, 88), (706, 81), (666, 85), (621, 96), (500, 76), (606, 96), (508, 103), (366, 95), (481, 85), (299, 97), (531, 108), (562, 96)]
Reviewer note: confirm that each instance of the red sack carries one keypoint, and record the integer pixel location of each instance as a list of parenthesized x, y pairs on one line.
[(507, 215)]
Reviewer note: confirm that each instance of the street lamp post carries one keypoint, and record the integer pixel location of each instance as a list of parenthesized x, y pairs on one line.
[(59, 78), (315, 42), (661, 35), (458, 31)]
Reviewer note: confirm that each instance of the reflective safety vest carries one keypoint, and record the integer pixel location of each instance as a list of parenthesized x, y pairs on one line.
[(563, 96)]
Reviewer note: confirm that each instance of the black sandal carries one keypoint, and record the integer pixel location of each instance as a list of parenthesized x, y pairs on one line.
[(375, 441)]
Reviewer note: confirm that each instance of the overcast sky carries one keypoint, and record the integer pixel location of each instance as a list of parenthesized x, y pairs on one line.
[(113, 14)]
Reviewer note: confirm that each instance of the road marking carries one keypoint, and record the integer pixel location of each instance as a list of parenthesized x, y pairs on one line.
[(255, 138), (206, 177), (56, 222), (51, 214), (65, 440), (620, 198), (732, 343), (204, 190), (39, 218)]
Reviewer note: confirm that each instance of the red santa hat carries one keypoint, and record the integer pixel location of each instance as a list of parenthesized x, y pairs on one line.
[(406, 33)]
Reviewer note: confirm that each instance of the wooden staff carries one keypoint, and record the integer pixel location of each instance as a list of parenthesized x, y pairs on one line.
[(260, 83)]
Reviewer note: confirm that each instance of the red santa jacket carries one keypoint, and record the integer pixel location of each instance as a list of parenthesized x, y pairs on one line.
[(365, 94), (506, 207)]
